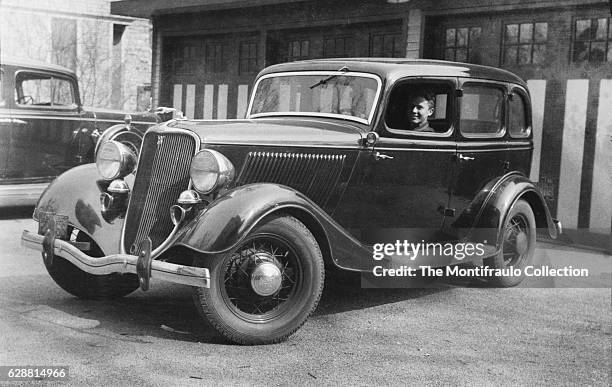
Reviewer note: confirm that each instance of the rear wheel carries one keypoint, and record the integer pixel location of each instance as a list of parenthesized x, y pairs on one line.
[(85, 285), (263, 290), (518, 245)]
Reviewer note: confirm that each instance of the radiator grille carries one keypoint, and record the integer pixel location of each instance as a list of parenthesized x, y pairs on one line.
[(315, 175), (163, 173)]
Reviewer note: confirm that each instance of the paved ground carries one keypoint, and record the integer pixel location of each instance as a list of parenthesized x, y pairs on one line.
[(447, 335)]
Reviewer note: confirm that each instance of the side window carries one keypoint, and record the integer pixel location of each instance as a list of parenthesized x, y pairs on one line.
[(481, 111), (43, 90), (420, 107), (33, 89), (518, 125), (63, 94)]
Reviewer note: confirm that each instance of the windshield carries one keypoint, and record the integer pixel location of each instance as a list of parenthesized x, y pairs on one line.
[(329, 93)]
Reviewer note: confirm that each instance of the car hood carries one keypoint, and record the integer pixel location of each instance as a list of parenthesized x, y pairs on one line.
[(276, 132)]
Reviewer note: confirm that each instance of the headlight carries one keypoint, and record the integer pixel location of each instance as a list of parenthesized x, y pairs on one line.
[(115, 160), (210, 170)]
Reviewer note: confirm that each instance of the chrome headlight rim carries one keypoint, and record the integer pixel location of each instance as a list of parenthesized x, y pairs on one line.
[(210, 171), (118, 153)]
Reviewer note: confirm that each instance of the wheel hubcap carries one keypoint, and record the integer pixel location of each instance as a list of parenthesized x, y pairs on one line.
[(521, 243), (266, 278)]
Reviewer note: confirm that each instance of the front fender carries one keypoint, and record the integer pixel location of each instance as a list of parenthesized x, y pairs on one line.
[(76, 194), (486, 214), (229, 219)]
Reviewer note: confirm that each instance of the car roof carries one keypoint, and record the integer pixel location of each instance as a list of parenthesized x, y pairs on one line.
[(34, 65), (396, 68)]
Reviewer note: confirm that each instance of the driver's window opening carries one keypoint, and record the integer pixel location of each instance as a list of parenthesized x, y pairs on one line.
[(42, 90), (420, 107)]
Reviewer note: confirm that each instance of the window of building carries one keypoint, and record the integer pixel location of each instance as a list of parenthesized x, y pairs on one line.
[(184, 58), (338, 47), (214, 57), (518, 126), (525, 43), (386, 45), (64, 42), (481, 111), (460, 43), (298, 50), (248, 58), (592, 40)]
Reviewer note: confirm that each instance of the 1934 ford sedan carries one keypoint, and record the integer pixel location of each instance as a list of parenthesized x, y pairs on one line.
[(323, 172)]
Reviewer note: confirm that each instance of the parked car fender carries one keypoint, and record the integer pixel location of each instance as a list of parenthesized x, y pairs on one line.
[(228, 220), (487, 213), (82, 206)]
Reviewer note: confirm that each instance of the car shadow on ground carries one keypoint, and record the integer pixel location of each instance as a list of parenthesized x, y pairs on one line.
[(167, 310), (24, 212)]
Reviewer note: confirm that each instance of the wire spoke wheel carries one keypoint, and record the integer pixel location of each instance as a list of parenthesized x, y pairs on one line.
[(517, 245), (261, 278), (264, 289)]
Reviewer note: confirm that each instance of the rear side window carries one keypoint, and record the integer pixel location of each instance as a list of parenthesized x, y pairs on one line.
[(482, 110), (518, 124)]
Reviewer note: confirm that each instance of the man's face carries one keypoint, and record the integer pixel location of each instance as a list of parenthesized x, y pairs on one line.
[(419, 111)]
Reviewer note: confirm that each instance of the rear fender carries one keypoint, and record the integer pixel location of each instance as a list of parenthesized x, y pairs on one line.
[(487, 213)]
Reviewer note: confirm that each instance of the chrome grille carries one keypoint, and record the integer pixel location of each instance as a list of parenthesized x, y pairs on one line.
[(315, 175), (163, 173)]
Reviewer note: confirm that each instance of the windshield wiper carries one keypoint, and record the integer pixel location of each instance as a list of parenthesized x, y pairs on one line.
[(323, 81)]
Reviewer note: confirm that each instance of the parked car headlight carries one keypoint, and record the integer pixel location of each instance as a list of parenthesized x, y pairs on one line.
[(115, 160), (210, 170)]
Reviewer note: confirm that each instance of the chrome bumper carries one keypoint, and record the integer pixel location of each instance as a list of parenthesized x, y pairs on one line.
[(119, 263)]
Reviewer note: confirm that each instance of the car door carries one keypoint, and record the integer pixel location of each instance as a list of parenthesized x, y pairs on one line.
[(400, 188), (481, 146), (46, 114)]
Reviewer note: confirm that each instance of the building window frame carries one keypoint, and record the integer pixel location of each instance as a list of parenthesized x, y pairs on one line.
[(298, 49), (534, 45), (454, 44), (348, 46), (214, 56), (396, 50), (604, 41), (248, 57)]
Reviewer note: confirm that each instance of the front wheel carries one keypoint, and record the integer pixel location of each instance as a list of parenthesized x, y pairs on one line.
[(518, 245), (265, 288), (88, 286)]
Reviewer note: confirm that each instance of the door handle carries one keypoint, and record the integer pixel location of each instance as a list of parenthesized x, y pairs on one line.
[(464, 158), (380, 156)]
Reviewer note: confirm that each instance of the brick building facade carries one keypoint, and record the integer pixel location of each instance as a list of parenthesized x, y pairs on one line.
[(206, 53), (111, 54)]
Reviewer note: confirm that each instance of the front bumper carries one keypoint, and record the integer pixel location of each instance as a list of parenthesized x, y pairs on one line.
[(119, 263)]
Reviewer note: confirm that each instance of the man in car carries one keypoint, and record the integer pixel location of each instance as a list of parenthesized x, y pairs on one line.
[(420, 108)]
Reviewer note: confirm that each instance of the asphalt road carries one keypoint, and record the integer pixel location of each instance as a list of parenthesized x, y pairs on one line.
[(543, 333)]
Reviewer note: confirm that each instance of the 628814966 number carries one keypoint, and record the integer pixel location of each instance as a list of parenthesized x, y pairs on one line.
[(33, 372)]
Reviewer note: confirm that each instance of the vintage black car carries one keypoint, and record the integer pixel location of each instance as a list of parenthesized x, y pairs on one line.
[(44, 130), (326, 168)]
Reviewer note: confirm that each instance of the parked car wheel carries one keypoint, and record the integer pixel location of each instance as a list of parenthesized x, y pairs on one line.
[(264, 289), (518, 244), (88, 286)]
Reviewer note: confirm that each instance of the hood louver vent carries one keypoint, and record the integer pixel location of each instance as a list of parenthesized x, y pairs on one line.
[(315, 175)]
